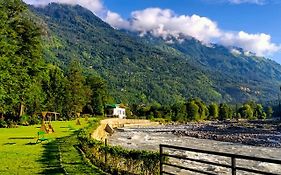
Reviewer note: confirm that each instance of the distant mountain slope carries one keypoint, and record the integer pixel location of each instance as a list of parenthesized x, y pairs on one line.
[(242, 76), (238, 76), (144, 70)]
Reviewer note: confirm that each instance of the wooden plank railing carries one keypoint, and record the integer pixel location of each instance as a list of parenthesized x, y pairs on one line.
[(232, 166)]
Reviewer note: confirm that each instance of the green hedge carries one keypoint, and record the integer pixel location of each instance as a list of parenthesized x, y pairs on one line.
[(115, 159)]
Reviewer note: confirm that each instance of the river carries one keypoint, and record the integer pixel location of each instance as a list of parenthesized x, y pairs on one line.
[(149, 138)]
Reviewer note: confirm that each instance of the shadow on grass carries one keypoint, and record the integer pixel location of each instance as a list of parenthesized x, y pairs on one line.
[(10, 143), (20, 138), (31, 143), (51, 159)]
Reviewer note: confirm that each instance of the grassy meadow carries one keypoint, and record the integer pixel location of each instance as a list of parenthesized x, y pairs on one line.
[(19, 153)]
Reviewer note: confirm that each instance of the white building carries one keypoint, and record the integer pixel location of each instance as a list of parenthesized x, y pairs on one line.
[(114, 110)]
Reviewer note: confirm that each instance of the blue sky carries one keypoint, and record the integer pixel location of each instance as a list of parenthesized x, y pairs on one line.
[(249, 17), (250, 24)]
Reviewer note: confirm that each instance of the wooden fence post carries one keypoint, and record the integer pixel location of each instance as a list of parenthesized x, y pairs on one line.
[(233, 165), (161, 159), (105, 154)]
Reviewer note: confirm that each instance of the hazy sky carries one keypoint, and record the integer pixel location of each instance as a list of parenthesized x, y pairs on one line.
[(250, 24)]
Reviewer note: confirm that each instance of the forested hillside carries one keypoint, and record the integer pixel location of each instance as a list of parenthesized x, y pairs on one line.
[(147, 69), (239, 75), (135, 71)]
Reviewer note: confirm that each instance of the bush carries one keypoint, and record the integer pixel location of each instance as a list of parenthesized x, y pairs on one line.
[(119, 159), (34, 120), (11, 124), (3, 123), (115, 159), (24, 120)]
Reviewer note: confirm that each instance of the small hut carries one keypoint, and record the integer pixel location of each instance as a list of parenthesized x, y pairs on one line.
[(115, 110)]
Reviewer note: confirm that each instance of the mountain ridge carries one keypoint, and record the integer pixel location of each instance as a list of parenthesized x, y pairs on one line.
[(140, 70)]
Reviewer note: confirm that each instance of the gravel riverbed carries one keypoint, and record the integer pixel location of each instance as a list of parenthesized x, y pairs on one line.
[(253, 139)]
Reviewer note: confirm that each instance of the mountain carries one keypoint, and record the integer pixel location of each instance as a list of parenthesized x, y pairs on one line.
[(256, 77), (240, 74), (147, 69)]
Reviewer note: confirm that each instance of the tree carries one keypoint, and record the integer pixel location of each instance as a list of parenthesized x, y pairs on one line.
[(54, 88), (203, 110), (213, 111), (76, 92), (179, 112), (99, 93), (258, 112), (225, 112), (269, 112), (167, 112), (246, 112), (192, 111), (21, 62), (263, 115)]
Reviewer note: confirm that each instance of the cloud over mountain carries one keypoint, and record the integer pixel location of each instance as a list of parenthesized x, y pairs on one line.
[(165, 23), (95, 6), (115, 20), (259, 43)]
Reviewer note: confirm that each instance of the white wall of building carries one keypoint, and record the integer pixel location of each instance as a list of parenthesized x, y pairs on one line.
[(120, 112)]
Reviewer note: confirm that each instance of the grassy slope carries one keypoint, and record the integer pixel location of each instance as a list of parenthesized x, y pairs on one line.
[(20, 155)]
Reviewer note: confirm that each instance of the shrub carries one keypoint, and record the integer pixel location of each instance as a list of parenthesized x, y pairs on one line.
[(115, 159), (11, 124), (24, 120), (34, 120), (3, 123)]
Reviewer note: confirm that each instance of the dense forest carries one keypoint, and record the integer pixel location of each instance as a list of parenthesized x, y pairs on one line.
[(29, 85)]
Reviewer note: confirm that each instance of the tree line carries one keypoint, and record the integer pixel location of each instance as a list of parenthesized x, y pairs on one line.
[(197, 110)]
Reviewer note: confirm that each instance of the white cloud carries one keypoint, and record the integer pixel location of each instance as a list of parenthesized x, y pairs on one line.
[(165, 23), (257, 2), (235, 52), (260, 2), (96, 6), (115, 20), (258, 43)]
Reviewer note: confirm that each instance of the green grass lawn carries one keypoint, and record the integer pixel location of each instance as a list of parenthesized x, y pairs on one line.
[(19, 153)]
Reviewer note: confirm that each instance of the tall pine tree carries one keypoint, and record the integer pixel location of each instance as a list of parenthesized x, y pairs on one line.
[(21, 62)]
